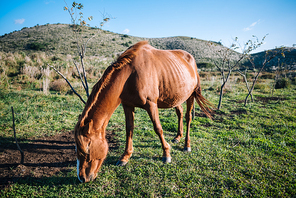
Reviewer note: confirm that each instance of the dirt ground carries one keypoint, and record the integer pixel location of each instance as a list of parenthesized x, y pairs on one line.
[(43, 157)]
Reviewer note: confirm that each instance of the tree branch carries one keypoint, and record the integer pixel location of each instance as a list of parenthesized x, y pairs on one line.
[(84, 74), (246, 81), (266, 60), (79, 75), (68, 83)]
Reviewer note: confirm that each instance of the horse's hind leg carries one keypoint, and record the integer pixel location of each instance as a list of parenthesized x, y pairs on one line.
[(179, 111), (129, 119), (152, 110), (190, 103)]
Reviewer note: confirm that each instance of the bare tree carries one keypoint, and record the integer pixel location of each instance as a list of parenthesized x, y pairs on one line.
[(226, 64), (251, 45), (269, 55), (78, 25)]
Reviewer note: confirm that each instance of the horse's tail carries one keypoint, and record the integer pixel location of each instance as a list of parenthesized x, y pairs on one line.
[(203, 103)]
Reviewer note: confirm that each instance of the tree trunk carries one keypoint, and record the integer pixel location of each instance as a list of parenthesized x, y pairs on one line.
[(253, 85), (45, 86), (247, 85), (246, 81), (16, 142), (221, 96)]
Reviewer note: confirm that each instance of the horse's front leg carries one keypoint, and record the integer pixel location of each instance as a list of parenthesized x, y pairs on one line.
[(152, 110), (129, 121), (179, 111)]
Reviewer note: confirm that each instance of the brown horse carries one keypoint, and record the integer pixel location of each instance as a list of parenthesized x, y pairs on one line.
[(142, 77)]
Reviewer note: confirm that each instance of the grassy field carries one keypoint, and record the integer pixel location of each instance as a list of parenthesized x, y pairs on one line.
[(245, 151)]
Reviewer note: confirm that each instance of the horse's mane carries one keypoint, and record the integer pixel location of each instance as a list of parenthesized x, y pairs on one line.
[(124, 59)]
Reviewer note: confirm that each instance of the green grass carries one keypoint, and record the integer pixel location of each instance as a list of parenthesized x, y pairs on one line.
[(244, 152), (37, 114)]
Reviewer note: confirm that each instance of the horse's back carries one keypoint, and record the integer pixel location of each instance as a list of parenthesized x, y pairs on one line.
[(167, 77)]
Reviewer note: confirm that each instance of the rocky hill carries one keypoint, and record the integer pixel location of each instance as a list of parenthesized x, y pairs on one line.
[(59, 39)]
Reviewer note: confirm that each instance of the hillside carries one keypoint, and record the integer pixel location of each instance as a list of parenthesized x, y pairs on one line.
[(55, 39), (59, 39), (289, 58)]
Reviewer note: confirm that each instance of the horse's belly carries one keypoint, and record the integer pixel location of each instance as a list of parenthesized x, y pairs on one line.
[(175, 94)]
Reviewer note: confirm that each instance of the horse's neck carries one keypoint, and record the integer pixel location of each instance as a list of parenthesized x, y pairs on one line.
[(108, 100)]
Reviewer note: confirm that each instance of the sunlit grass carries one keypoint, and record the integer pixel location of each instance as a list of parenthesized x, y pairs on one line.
[(36, 114)]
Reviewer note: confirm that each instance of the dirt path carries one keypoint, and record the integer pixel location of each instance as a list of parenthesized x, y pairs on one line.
[(44, 157)]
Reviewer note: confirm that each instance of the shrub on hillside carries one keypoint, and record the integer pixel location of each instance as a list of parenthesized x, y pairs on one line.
[(31, 71), (205, 65), (249, 76), (38, 46), (59, 85), (268, 76), (282, 83), (293, 80), (262, 87)]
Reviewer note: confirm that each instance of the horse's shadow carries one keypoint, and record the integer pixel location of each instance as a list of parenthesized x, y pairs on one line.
[(42, 148)]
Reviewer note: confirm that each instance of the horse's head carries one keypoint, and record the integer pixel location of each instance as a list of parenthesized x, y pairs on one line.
[(91, 150)]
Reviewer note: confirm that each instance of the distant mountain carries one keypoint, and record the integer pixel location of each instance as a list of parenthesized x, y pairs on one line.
[(288, 58)]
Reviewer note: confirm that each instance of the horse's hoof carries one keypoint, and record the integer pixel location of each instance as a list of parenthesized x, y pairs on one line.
[(166, 160), (187, 149), (121, 163), (175, 141)]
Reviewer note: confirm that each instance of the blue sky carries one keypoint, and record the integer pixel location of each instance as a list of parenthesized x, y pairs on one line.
[(214, 20)]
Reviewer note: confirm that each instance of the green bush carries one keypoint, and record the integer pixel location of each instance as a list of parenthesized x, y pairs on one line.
[(282, 83), (38, 46), (205, 65), (262, 87), (249, 76), (15, 69), (125, 44), (267, 76), (293, 80)]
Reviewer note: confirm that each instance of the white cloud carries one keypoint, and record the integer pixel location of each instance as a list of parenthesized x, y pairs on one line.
[(126, 31), (251, 26), (19, 21), (48, 2)]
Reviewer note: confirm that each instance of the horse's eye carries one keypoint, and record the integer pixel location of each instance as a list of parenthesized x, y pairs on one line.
[(87, 147)]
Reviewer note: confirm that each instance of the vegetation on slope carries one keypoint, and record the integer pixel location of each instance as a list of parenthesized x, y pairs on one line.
[(58, 39)]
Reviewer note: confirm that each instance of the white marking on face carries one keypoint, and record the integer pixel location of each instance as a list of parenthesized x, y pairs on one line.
[(77, 166), (78, 171)]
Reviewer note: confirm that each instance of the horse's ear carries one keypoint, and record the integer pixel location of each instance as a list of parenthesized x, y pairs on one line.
[(90, 126)]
